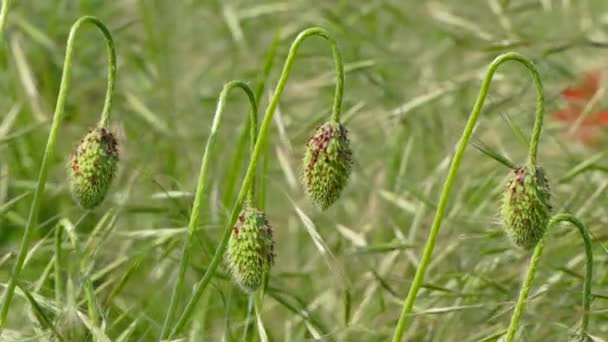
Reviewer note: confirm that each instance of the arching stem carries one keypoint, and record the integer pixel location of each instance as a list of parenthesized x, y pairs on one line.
[(453, 171), (50, 147), (259, 147), (523, 294), (202, 181)]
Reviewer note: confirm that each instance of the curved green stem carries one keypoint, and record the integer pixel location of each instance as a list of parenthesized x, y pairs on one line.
[(523, 294), (50, 147), (3, 16), (259, 147), (253, 136), (453, 171), (202, 181)]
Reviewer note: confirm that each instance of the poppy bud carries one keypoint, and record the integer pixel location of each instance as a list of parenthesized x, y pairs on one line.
[(525, 207), (327, 164), (92, 167), (250, 251)]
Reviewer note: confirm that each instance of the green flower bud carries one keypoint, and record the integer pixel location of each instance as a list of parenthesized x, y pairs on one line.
[(327, 164), (250, 251), (92, 167), (525, 208)]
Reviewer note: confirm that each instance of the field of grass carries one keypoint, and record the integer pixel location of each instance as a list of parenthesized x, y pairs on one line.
[(412, 73)]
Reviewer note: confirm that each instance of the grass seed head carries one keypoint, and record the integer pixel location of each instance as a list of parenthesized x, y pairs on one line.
[(92, 167), (70, 326), (526, 206), (250, 251), (327, 164)]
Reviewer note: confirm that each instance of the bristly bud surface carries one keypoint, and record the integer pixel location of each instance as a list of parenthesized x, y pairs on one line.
[(327, 164), (250, 252), (526, 206), (92, 167)]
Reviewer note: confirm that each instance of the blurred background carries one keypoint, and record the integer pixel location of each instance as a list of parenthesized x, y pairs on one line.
[(413, 71)]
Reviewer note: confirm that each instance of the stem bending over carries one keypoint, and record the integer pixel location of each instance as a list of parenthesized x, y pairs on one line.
[(50, 146), (538, 251), (257, 151), (453, 171), (202, 180)]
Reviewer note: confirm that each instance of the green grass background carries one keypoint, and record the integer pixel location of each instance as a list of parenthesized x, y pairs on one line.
[(413, 69)]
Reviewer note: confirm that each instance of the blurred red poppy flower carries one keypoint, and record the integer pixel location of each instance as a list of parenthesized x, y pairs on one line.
[(589, 131)]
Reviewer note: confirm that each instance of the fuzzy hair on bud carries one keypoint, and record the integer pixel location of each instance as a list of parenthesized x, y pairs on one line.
[(250, 252), (526, 206), (92, 167), (327, 164)]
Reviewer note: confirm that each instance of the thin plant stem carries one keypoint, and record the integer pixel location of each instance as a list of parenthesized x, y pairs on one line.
[(202, 181), (253, 131), (50, 147), (93, 308), (235, 167), (249, 320), (6, 4), (453, 171), (525, 289), (259, 148), (523, 294), (261, 202), (257, 308), (58, 265)]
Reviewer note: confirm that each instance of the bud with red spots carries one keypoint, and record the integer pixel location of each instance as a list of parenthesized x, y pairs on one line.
[(250, 251), (327, 164), (93, 167), (526, 209)]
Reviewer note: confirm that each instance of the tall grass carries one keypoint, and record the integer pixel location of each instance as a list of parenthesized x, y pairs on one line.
[(412, 71)]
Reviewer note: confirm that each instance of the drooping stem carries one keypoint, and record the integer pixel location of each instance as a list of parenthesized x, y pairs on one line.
[(523, 295), (259, 147), (253, 136), (50, 147), (107, 103), (202, 181), (453, 171)]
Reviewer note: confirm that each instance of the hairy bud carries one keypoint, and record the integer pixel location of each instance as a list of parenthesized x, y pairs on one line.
[(526, 209), (250, 251), (327, 164), (92, 167)]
